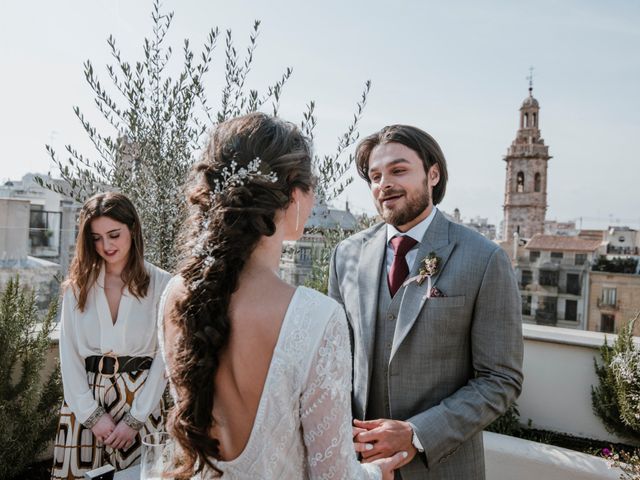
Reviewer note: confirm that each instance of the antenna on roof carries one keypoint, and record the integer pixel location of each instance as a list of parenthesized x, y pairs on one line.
[(530, 78)]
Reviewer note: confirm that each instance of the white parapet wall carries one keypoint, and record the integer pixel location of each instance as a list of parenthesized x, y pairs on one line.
[(558, 376), (510, 458)]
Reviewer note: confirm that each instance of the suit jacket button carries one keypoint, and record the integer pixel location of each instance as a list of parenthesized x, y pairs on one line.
[(391, 316)]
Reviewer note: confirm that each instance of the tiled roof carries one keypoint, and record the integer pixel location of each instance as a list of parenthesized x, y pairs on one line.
[(562, 243)]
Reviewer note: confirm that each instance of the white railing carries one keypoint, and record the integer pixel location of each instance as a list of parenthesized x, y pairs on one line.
[(558, 376), (509, 458)]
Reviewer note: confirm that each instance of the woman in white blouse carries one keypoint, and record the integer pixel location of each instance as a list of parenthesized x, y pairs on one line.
[(113, 378)]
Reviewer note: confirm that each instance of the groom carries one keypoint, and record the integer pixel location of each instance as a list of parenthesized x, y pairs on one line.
[(434, 311)]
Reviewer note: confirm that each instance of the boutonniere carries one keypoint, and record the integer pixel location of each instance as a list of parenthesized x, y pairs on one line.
[(429, 268)]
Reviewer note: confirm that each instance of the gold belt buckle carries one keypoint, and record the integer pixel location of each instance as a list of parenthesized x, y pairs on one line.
[(116, 365)]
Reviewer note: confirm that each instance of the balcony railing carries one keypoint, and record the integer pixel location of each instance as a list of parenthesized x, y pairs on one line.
[(611, 249), (607, 304)]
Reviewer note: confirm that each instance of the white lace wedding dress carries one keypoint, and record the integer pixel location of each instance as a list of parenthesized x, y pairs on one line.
[(302, 428)]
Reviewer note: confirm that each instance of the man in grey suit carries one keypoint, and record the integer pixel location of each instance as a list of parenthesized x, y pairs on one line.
[(434, 312)]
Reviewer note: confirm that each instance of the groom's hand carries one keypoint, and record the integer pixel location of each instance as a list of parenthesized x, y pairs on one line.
[(359, 446), (387, 438)]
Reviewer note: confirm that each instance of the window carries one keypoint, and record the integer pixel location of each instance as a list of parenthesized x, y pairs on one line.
[(38, 227), (526, 120), (526, 305), (520, 182), (573, 283), (537, 183), (535, 119), (304, 255), (607, 323), (44, 231), (527, 278), (609, 296), (581, 258), (534, 255), (556, 257), (548, 278), (571, 310)]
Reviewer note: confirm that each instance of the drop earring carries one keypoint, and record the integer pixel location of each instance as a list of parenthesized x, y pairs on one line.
[(297, 215)]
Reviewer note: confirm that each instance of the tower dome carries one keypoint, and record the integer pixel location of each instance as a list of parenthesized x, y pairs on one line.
[(530, 102)]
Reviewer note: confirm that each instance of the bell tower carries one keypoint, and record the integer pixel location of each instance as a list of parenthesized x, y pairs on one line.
[(525, 193)]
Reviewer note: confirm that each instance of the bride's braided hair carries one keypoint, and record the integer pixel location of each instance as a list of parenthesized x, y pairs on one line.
[(227, 219)]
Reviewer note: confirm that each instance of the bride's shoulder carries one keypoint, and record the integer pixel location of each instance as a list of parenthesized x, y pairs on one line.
[(317, 305), (319, 299)]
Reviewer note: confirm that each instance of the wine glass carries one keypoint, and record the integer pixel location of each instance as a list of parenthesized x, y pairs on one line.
[(157, 455)]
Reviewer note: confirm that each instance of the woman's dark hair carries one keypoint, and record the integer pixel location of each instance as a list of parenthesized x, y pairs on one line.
[(86, 262), (412, 137), (226, 221)]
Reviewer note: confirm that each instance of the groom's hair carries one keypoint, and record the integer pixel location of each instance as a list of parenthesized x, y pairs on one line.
[(412, 137)]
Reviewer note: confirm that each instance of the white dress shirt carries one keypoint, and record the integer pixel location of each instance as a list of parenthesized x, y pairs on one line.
[(92, 332), (416, 232)]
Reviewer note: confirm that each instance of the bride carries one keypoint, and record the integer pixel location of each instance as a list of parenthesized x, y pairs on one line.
[(260, 370)]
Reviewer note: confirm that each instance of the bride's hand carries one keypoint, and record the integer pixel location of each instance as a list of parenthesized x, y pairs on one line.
[(388, 465)]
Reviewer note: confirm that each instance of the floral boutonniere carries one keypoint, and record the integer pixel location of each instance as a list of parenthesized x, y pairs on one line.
[(429, 268)]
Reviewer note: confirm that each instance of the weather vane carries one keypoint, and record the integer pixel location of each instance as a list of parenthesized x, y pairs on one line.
[(530, 78)]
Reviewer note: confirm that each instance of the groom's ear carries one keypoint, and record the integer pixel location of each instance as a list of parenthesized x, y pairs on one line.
[(433, 175)]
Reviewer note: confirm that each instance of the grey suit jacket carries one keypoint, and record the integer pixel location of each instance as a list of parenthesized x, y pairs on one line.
[(456, 361)]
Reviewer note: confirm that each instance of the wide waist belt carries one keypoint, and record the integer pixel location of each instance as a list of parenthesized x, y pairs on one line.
[(110, 365)]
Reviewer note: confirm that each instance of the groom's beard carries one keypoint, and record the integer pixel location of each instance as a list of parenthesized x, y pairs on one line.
[(414, 205)]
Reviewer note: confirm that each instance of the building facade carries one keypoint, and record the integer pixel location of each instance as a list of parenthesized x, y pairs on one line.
[(37, 236), (525, 200), (552, 271), (614, 300), (296, 263), (614, 283)]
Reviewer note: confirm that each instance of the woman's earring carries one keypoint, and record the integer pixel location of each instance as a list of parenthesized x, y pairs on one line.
[(297, 216)]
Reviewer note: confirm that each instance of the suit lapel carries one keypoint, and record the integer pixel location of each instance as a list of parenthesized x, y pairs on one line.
[(369, 278), (436, 239)]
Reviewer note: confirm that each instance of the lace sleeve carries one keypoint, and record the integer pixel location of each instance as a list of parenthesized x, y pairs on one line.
[(326, 409)]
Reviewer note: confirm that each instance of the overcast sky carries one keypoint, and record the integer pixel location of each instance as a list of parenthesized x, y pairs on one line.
[(456, 69)]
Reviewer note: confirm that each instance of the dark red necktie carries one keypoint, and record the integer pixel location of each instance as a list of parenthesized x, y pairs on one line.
[(399, 268)]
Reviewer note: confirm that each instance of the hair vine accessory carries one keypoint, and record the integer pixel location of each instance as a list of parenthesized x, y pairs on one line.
[(228, 177), (232, 176)]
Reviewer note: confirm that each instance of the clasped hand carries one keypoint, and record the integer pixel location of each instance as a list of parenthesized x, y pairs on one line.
[(115, 436), (383, 438)]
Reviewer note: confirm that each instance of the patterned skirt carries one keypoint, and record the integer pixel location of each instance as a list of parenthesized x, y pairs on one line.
[(76, 449)]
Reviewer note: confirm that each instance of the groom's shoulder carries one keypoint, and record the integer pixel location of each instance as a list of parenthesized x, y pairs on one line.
[(475, 242)]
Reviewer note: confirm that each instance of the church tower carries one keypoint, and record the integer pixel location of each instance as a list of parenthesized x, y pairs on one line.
[(525, 194)]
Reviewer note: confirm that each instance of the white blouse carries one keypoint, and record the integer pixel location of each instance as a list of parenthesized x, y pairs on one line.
[(88, 333)]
